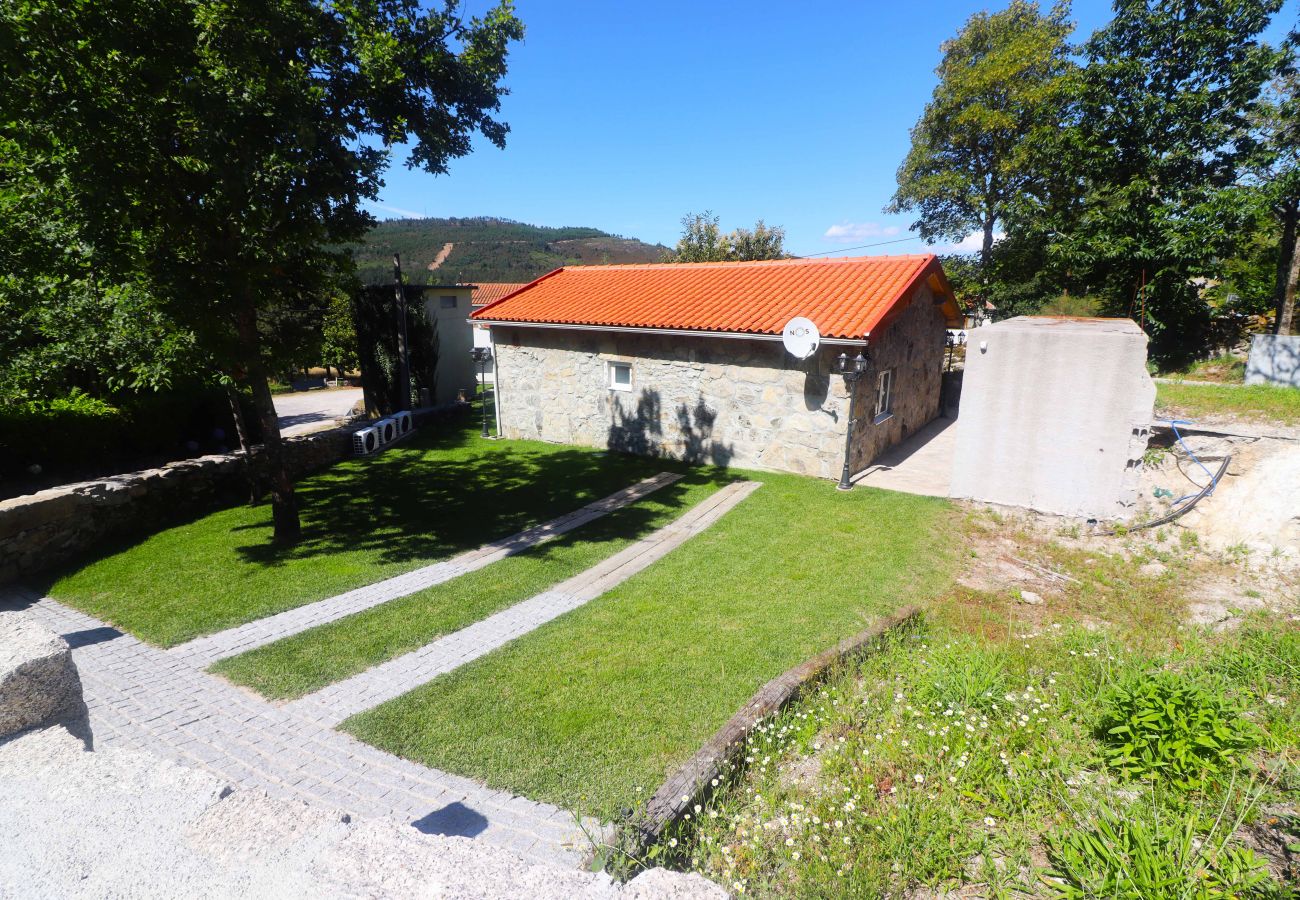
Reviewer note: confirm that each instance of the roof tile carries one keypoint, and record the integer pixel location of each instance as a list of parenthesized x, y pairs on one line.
[(845, 298)]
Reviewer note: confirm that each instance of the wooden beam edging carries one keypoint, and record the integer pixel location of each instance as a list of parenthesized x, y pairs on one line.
[(693, 782)]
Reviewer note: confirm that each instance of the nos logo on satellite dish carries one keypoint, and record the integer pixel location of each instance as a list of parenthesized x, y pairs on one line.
[(800, 337)]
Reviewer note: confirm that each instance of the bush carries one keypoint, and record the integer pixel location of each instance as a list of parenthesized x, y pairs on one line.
[(83, 436), (1152, 856), (60, 431), (1167, 726)]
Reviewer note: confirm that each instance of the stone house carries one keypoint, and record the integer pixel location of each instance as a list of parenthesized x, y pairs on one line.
[(486, 292), (687, 360)]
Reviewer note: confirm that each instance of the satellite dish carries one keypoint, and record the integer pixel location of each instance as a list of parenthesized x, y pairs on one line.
[(800, 337)]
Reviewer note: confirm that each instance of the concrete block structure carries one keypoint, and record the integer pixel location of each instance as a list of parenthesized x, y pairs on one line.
[(687, 360), (448, 306), (1274, 359), (1055, 415)]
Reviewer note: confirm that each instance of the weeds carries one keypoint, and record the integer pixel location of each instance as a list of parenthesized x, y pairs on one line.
[(945, 760), (1165, 725)]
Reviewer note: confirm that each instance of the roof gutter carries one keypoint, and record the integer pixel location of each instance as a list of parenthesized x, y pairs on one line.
[(675, 332)]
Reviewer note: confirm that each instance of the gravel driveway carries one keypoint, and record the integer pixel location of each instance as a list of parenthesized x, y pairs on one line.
[(308, 411)]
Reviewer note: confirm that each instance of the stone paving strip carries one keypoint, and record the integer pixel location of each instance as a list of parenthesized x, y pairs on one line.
[(331, 705), (143, 698), (202, 652)]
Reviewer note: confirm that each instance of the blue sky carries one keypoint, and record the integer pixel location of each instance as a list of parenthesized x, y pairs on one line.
[(627, 116)]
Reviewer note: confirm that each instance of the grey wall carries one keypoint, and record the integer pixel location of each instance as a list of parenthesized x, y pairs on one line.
[(914, 347), (456, 370), (726, 401), (1055, 415), (1274, 359)]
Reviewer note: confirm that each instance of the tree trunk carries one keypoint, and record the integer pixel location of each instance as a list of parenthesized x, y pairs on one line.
[(986, 251), (246, 445), (403, 350), (1288, 269), (1286, 312), (284, 504)]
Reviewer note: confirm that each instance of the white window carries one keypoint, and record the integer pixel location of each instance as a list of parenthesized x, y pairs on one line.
[(447, 301), (884, 395), (620, 376)]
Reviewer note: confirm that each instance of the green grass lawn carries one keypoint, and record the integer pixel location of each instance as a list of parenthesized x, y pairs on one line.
[(1256, 402), (321, 656), (437, 494), (1227, 369), (611, 697)]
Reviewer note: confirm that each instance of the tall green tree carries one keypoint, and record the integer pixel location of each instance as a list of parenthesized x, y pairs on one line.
[(1153, 159), (1276, 171), (702, 240), (217, 151), (1004, 81)]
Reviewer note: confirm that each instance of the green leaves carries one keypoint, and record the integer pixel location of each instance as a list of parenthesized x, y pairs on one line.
[(1003, 81), (703, 241), (1165, 726), (1154, 853)]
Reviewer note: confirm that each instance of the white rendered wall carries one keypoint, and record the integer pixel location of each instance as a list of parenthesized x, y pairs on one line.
[(1055, 414), (456, 369)]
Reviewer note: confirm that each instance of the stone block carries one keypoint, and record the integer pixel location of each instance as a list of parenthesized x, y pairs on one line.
[(1054, 413), (38, 681), (1274, 359)]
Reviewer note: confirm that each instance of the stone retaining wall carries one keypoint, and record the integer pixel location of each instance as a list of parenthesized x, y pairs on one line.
[(43, 530)]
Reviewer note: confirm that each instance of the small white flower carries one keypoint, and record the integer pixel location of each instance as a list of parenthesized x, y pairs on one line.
[(919, 778), (990, 821)]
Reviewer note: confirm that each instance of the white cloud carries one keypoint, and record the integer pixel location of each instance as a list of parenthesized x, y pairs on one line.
[(398, 211), (971, 243), (848, 232)]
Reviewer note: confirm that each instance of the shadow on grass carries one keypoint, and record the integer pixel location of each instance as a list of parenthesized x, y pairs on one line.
[(444, 493)]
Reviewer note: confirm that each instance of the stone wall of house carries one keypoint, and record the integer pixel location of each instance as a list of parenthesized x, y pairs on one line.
[(913, 347), (40, 531), (725, 401)]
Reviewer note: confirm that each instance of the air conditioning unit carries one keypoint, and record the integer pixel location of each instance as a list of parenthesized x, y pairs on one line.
[(365, 441), (387, 429), (405, 422)]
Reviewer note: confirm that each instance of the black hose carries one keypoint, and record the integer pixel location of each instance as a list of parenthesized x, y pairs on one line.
[(1179, 511)]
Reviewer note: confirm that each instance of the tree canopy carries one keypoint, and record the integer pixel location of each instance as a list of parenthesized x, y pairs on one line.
[(1004, 82), (702, 240), (215, 153), (1153, 176)]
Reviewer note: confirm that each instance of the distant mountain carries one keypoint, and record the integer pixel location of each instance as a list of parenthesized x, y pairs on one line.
[(487, 249)]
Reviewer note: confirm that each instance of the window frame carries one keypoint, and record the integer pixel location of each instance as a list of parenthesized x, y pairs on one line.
[(885, 391), (443, 304), (612, 381)]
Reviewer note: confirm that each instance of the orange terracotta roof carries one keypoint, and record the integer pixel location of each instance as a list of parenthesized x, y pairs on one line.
[(486, 292), (845, 298)]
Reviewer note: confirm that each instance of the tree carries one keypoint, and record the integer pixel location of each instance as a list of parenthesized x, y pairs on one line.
[(1003, 83), (703, 241), (761, 243), (339, 335), (1276, 169), (217, 151), (1153, 159)]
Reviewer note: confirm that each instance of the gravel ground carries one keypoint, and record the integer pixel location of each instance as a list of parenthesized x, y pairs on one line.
[(120, 823)]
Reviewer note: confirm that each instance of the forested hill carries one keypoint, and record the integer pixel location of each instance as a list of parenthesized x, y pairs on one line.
[(488, 249)]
